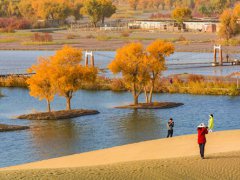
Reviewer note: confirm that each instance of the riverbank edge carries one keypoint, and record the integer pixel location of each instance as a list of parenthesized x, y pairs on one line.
[(182, 84), (7, 128), (58, 115), (166, 148), (107, 49), (154, 105)]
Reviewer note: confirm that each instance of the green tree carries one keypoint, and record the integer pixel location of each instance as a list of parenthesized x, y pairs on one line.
[(180, 14), (9, 8), (93, 9), (219, 5), (55, 11), (107, 8), (76, 10)]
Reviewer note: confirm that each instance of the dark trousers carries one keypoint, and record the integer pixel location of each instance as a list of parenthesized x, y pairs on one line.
[(201, 147), (170, 133)]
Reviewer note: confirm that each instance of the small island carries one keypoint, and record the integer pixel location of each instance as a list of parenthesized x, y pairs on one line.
[(56, 115), (154, 105), (5, 127)]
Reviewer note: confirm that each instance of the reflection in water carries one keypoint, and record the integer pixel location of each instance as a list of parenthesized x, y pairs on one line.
[(142, 125), (54, 137)]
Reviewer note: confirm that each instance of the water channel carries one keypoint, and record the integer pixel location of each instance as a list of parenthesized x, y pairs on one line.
[(112, 127)]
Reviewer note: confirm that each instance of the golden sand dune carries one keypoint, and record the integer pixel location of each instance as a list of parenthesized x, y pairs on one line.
[(221, 166), (176, 158)]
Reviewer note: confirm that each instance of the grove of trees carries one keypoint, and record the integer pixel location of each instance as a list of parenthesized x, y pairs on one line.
[(140, 68), (98, 10), (60, 74), (229, 26), (56, 10), (44, 9), (203, 7)]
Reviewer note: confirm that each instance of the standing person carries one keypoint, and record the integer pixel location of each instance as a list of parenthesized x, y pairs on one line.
[(202, 131), (211, 123), (170, 126)]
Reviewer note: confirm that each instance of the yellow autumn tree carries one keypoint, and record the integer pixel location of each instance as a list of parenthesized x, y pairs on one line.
[(154, 61), (181, 13), (228, 25), (129, 62), (40, 84), (236, 10), (68, 74)]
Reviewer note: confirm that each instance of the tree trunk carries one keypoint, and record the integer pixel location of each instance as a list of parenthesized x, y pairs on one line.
[(135, 100), (135, 96), (146, 95), (103, 20), (151, 91), (49, 106), (68, 105), (68, 96), (150, 95)]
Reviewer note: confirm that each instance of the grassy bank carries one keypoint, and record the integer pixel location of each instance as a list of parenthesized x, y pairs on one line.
[(5, 128), (186, 84), (13, 81), (203, 85)]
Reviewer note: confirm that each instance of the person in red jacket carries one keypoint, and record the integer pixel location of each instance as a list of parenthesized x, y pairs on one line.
[(202, 131)]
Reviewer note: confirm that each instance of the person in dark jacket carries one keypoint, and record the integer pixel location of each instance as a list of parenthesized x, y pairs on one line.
[(202, 131), (170, 126)]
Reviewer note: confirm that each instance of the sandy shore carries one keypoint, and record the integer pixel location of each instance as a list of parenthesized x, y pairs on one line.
[(175, 158)]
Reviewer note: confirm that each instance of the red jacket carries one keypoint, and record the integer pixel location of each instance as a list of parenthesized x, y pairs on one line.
[(201, 135)]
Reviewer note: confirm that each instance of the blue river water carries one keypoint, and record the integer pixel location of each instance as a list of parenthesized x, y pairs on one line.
[(112, 127), (19, 61)]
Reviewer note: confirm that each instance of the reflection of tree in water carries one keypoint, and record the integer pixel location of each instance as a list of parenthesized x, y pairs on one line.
[(54, 138), (142, 125)]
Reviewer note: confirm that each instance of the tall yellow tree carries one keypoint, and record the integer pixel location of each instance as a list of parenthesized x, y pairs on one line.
[(40, 84), (229, 26), (68, 74), (156, 53), (129, 62)]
